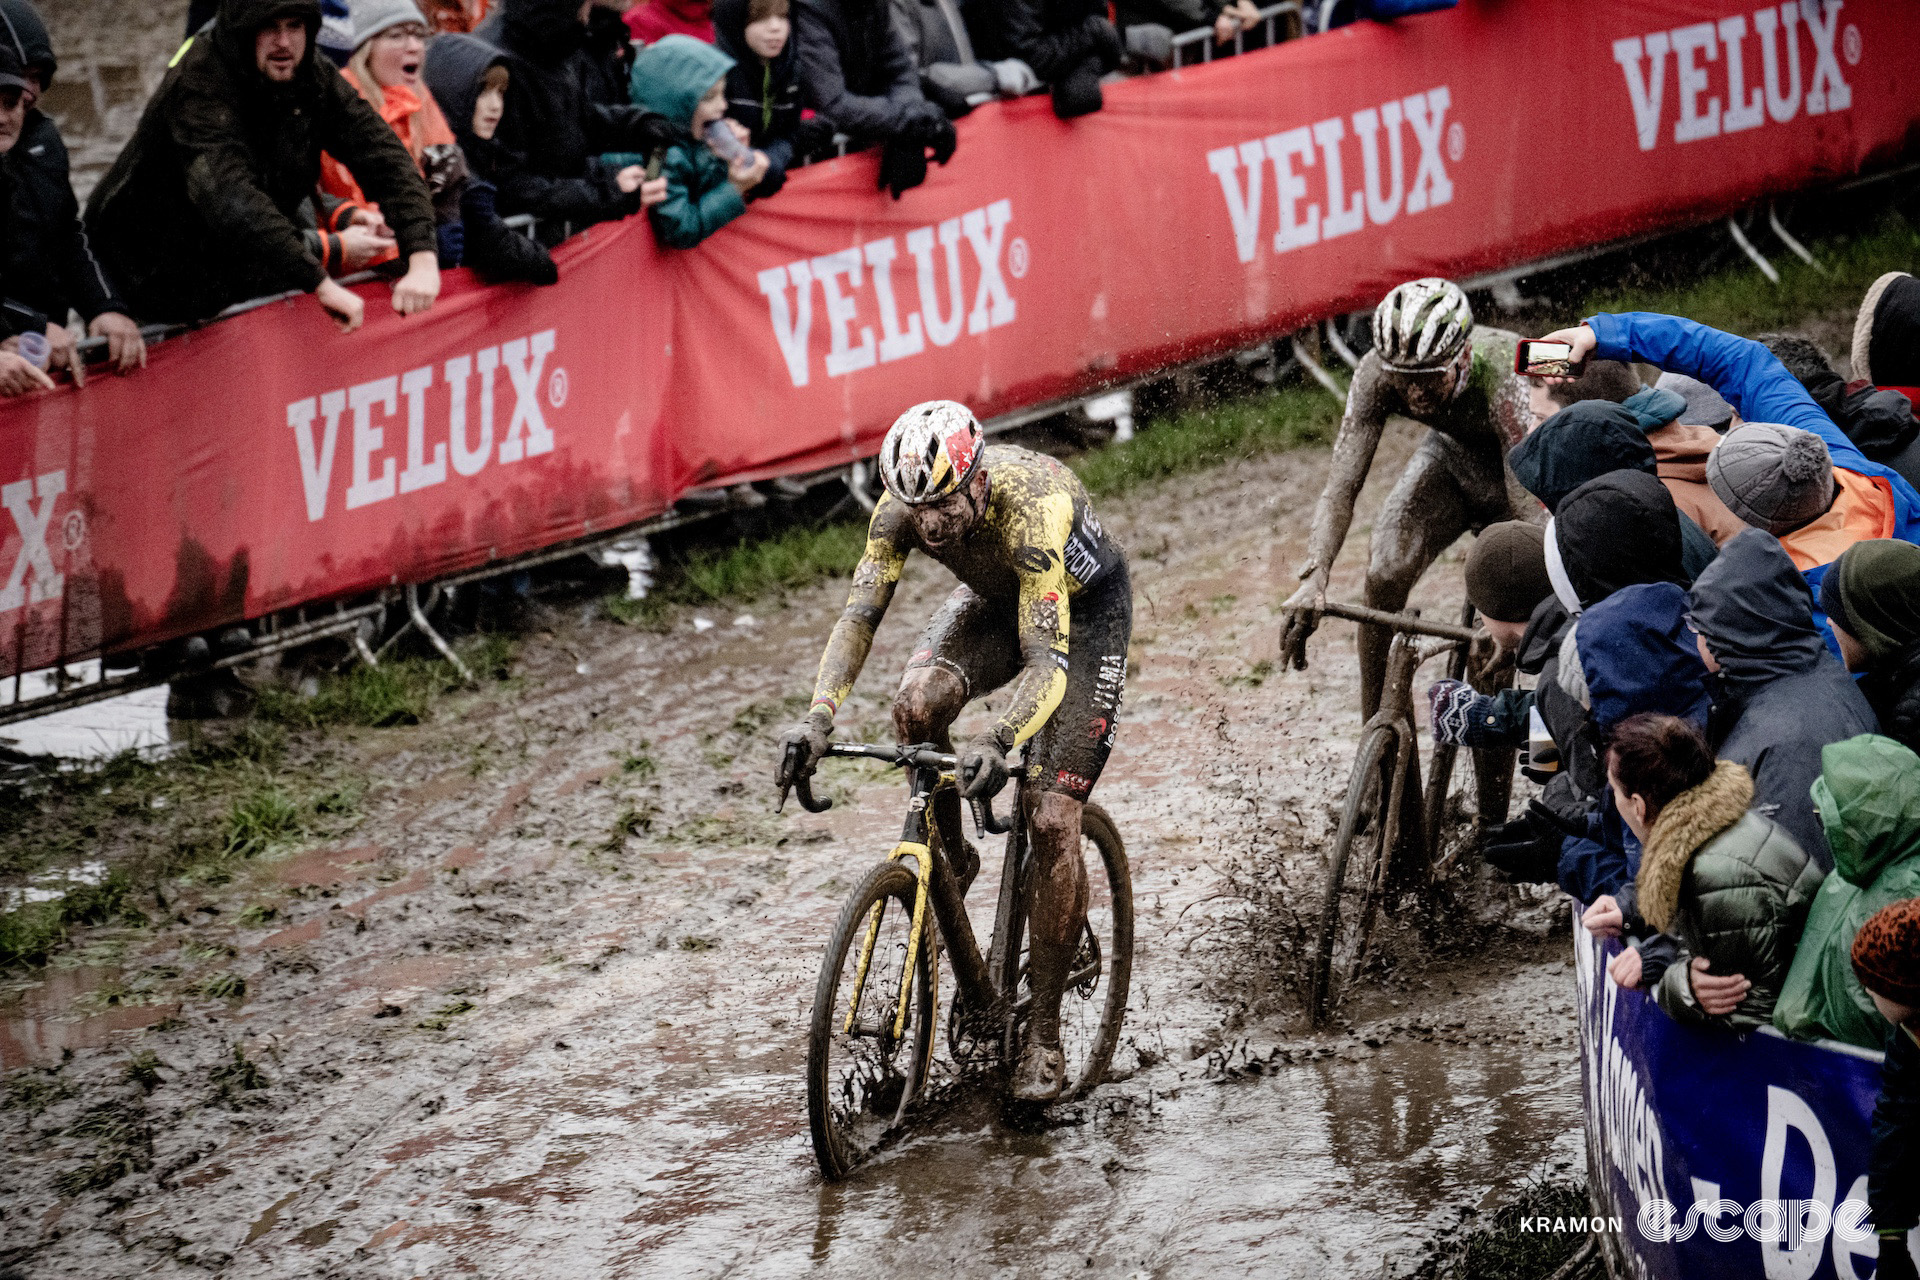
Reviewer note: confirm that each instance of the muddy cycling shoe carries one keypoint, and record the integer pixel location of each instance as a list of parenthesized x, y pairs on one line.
[(1041, 1073)]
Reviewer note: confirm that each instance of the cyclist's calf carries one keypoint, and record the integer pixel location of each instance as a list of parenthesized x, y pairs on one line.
[(930, 699)]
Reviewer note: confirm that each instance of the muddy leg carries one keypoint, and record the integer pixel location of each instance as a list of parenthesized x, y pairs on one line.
[(924, 709), (1056, 911), (1422, 517)]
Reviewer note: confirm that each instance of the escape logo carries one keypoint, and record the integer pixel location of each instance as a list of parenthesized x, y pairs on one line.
[(789, 292), (30, 503), (372, 470), (1776, 97), (1380, 197)]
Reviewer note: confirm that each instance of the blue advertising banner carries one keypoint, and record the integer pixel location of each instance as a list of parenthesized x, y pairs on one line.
[(1711, 1154)]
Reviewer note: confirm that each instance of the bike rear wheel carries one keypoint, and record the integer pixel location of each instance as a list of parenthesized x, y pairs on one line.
[(861, 1079), (1094, 1003), (1356, 871)]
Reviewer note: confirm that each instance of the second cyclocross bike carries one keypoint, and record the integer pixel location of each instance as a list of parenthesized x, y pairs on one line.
[(876, 1010)]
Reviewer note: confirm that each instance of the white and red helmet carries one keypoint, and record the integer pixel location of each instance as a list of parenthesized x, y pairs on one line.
[(930, 451)]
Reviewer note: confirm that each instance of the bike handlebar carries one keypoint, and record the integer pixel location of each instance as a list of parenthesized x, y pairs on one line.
[(922, 755), (1400, 621)]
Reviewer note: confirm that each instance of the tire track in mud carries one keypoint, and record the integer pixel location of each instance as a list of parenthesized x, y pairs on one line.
[(589, 863)]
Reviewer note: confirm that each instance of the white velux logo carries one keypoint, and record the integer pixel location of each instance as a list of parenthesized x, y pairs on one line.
[(842, 277), (467, 443), (1733, 99), (31, 520), (1379, 199)]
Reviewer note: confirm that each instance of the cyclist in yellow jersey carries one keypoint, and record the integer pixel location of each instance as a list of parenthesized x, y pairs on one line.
[(1044, 603)]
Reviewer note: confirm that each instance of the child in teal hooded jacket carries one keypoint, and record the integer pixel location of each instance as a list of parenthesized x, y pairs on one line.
[(685, 80)]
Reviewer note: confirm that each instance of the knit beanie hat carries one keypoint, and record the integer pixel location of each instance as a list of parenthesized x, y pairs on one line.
[(1772, 477), (1886, 333), (371, 17), (761, 10), (1886, 952), (1507, 571), (1873, 593), (1705, 406)]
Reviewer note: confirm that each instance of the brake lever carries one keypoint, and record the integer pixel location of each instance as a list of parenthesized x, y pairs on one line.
[(798, 783)]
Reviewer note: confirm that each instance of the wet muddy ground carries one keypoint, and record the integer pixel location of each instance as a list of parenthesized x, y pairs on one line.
[(543, 1013)]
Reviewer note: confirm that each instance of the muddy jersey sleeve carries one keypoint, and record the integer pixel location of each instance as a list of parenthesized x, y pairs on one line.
[(1353, 451), (1038, 537), (874, 580)]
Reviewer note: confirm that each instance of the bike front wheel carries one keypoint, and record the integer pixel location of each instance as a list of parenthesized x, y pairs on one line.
[(861, 1076), (1356, 872)]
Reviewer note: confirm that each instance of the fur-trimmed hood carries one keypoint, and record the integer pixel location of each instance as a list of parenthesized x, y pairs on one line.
[(1689, 821)]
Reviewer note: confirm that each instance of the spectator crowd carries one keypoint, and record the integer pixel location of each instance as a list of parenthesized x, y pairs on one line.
[(292, 143), (1721, 615)]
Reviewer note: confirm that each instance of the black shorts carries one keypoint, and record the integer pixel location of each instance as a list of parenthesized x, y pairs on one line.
[(978, 641)]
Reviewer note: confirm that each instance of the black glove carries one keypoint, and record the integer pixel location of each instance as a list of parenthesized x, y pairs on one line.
[(810, 737), (814, 135), (1527, 849), (450, 240), (1896, 1263), (903, 165), (1106, 42), (941, 139), (983, 767), (655, 133)]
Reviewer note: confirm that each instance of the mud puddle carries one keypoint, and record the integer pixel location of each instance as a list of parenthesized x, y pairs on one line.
[(546, 1015)]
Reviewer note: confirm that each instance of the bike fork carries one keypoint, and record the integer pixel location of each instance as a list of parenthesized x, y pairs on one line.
[(914, 844)]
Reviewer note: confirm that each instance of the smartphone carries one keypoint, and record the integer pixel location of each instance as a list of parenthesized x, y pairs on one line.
[(1536, 358), (653, 165)]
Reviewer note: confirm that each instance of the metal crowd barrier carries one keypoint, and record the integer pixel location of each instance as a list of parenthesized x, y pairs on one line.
[(1278, 23)]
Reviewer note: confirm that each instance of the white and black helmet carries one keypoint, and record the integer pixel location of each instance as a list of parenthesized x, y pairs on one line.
[(1421, 325), (930, 451)]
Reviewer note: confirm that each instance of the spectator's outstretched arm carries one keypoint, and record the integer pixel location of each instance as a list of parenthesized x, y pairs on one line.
[(683, 219), (244, 220), (823, 82), (1745, 373), (353, 133), (593, 198)]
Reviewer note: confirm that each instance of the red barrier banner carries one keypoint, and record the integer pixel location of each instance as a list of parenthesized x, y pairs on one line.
[(267, 461)]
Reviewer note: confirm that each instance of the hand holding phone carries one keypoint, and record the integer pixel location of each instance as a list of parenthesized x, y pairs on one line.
[(1545, 358)]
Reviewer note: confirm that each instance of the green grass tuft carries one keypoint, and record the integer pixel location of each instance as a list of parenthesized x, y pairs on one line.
[(30, 933), (225, 985), (33, 1091), (442, 1018), (143, 1069), (398, 691), (1285, 419), (260, 820), (1739, 299), (235, 1077)]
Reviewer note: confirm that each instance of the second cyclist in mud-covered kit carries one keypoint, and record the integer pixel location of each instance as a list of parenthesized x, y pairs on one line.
[(1044, 603)]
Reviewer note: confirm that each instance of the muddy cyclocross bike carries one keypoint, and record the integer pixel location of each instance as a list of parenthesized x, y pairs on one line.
[(1390, 826), (876, 1010)]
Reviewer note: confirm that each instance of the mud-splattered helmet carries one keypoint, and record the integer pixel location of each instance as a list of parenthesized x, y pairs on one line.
[(930, 451), (1421, 325)]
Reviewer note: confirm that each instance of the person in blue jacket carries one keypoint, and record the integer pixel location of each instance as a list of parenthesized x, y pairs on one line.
[(1765, 470)]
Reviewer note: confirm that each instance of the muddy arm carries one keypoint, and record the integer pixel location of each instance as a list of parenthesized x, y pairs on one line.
[(874, 580)]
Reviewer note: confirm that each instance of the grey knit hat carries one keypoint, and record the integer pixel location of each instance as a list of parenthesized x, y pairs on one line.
[(1773, 477), (1705, 407), (371, 17)]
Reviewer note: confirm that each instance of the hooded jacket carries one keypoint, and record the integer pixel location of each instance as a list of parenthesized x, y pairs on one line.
[(1779, 696), (670, 78), (1587, 440), (1759, 387), (1728, 885), (1868, 797), (50, 264), (202, 209), (547, 148), (1680, 452), (762, 95), (1611, 532), (1630, 653), (855, 68), (1873, 593)]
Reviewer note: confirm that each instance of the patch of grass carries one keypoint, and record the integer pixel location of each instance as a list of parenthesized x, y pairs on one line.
[(634, 819), (693, 943), (260, 820), (31, 932), (143, 1069), (792, 558), (33, 1091), (225, 985), (1739, 299), (638, 763), (237, 1076), (257, 916), (122, 1136), (1192, 441), (442, 1018), (1492, 1246), (398, 691)]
